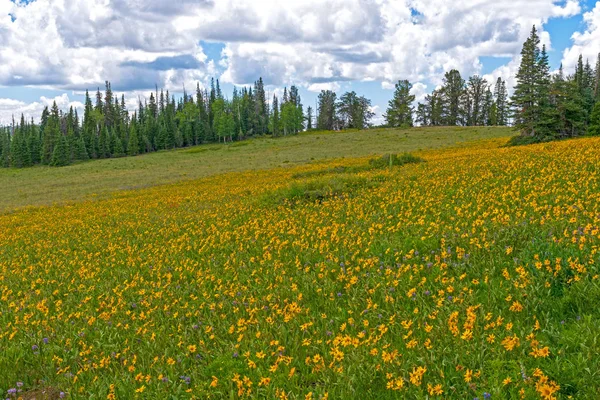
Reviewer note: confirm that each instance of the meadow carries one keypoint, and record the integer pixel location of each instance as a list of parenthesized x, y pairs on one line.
[(470, 274), (44, 185)]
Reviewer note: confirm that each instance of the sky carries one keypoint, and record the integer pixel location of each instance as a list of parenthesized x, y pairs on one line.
[(53, 50)]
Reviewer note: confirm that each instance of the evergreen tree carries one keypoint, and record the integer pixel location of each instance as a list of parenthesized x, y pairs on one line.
[(452, 93), (51, 135), (60, 155), (400, 109), (34, 144), (422, 115), (501, 99), (309, 118), (117, 146), (327, 115), (5, 148), (525, 101), (104, 143), (594, 127), (476, 93), (275, 122), (133, 146), (81, 150)]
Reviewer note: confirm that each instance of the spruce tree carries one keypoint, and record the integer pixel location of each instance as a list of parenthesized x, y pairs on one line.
[(133, 146), (51, 135), (525, 98), (275, 128), (81, 150), (452, 92), (60, 155), (501, 99), (400, 110), (117, 146), (104, 143)]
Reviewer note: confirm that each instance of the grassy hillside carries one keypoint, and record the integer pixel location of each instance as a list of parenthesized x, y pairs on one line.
[(473, 274), (44, 185)]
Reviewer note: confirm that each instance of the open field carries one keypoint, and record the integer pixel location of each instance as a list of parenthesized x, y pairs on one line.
[(473, 274), (47, 185)]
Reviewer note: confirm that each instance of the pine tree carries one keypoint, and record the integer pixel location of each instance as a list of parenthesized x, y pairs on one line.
[(476, 92), (327, 114), (81, 150), (5, 148), (51, 135), (275, 122), (400, 110), (309, 118), (548, 119), (117, 146), (422, 115), (525, 100), (501, 99), (60, 155), (133, 146), (34, 144), (452, 92), (104, 143)]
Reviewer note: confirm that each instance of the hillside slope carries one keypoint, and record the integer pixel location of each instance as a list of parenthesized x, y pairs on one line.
[(99, 178), (470, 275)]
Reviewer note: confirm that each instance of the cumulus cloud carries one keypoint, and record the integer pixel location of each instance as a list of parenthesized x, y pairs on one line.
[(137, 44), (586, 43), (10, 108)]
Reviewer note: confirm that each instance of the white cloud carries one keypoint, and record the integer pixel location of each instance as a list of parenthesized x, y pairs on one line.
[(10, 108), (317, 87), (319, 44), (586, 43)]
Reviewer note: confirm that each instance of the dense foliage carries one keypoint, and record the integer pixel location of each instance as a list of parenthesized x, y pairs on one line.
[(472, 275), (108, 129)]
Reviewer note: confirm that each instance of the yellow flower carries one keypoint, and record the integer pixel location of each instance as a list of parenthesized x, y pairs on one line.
[(468, 375)]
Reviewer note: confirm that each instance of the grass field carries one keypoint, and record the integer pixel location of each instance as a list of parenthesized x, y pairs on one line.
[(473, 274), (97, 179)]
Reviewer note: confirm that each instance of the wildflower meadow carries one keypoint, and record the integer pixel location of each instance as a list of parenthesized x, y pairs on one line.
[(464, 273)]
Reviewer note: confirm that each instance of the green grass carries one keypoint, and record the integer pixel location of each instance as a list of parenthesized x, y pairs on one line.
[(101, 178)]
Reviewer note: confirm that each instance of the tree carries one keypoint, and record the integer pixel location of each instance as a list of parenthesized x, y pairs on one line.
[(327, 116), (309, 118), (452, 93), (400, 110), (104, 143), (60, 155), (51, 135), (501, 99), (476, 93), (525, 101), (423, 115), (354, 112), (116, 146), (275, 122), (594, 127)]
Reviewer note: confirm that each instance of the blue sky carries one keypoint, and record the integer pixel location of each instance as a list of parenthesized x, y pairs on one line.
[(54, 49)]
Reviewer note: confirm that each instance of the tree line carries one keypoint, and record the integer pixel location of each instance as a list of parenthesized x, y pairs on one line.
[(544, 106), (108, 130)]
